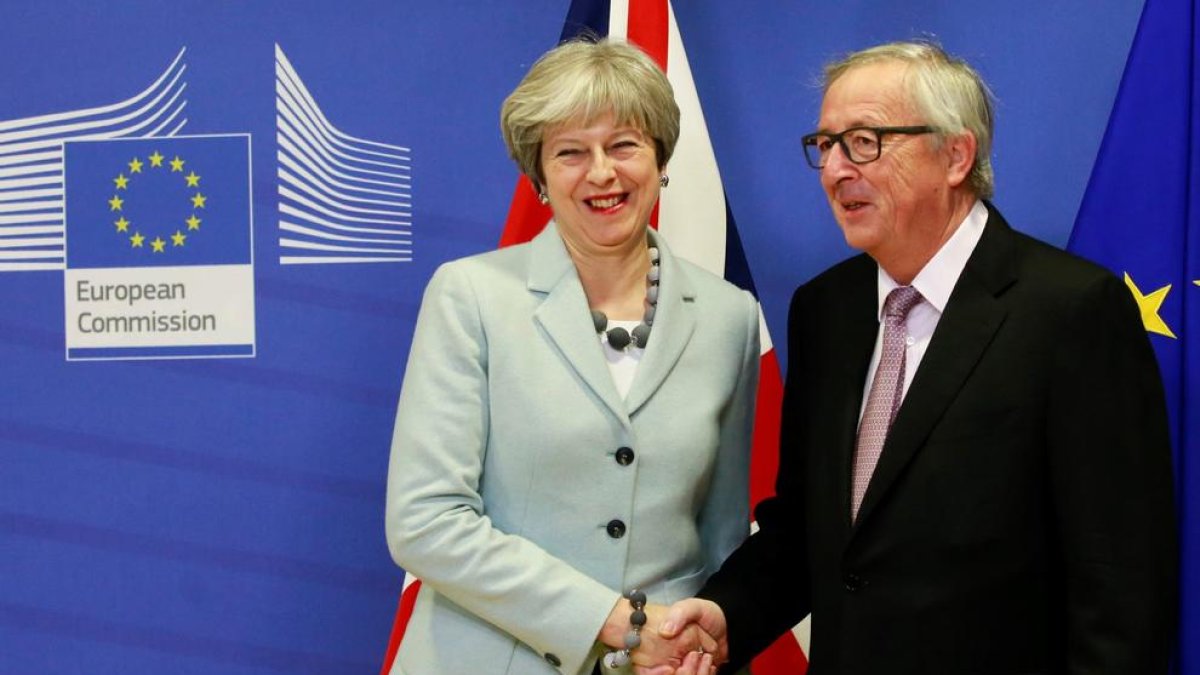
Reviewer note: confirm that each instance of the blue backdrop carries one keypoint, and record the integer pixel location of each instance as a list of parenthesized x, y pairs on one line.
[(225, 515)]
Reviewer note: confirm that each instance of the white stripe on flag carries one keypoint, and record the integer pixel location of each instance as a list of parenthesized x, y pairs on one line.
[(692, 208)]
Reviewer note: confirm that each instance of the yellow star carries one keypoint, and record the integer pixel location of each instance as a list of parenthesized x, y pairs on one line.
[(1150, 304), (158, 245), (115, 203), (192, 179), (178, 238), (193, 222), (198, 200), (176, 164), (122, 224), (136, 240), (156, 159), (121, 181), (135, 166)]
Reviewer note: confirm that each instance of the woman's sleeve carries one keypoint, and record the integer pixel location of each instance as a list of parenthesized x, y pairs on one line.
[(436, 521), (725, 518)]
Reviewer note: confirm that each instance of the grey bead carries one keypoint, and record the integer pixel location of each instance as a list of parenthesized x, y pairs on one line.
[(618, 338), (641, 335), (632, 640), (616, 659)]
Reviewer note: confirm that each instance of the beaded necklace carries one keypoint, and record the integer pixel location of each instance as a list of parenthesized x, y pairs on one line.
[(618, 338)]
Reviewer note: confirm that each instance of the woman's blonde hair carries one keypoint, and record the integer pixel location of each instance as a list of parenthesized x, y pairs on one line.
[(579, 81)]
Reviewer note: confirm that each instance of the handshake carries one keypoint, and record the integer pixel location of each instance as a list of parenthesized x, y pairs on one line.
[(687, 638)]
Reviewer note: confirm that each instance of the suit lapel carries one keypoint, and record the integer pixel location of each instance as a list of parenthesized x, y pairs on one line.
[(563, 315), (973, 315), (856, 342), (674, 322)]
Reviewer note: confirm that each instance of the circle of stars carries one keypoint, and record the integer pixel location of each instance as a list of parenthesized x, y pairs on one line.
[(124, 227)]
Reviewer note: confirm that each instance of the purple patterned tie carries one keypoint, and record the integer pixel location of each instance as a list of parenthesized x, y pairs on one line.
[(884, 399)]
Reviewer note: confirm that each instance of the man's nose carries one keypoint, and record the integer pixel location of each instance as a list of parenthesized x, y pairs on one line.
[(837, 164)]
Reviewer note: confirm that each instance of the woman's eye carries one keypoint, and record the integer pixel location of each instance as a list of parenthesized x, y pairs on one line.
[(624, 148)]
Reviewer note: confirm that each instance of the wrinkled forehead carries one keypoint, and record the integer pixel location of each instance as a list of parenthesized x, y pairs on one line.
[(874, 93)]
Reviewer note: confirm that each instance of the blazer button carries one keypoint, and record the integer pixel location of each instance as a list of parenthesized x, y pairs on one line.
[(553, 660), (624, 456), (616, 529), (853, 582)]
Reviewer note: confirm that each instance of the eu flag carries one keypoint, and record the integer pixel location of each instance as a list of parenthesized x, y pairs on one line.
[(1141, 218), (158, 202)]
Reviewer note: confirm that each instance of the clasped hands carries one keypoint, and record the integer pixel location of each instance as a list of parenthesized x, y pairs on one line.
[(687, 638)]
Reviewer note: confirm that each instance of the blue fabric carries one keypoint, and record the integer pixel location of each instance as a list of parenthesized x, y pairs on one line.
[(1140, 218)]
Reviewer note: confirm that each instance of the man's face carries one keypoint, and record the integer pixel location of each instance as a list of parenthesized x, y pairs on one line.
[(896, 207)]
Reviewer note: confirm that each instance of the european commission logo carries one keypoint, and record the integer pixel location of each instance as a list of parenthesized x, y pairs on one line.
[(342, 199), (153, 229), (159, 247)]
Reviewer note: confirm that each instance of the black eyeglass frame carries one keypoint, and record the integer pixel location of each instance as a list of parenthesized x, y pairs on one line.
[(809, 141)]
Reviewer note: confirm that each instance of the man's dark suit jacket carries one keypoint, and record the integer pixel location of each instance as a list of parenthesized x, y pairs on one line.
[(1020, 519)]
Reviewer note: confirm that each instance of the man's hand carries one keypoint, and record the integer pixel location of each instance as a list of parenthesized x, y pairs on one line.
[(691, 637), (655, 655), (696, 663)]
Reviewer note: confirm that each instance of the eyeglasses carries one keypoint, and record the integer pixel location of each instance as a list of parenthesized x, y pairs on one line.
[(861, 145)]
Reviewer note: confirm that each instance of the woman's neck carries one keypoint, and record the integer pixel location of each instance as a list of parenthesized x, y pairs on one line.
[(615, 284)]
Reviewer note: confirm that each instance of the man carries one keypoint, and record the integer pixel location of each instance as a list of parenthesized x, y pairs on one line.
[(986, 487)]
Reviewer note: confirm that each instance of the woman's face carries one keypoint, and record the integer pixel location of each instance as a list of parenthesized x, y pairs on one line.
[(602, 180)]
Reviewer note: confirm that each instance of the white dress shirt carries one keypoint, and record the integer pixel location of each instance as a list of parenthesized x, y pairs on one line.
[(935, 282), (622, 363)]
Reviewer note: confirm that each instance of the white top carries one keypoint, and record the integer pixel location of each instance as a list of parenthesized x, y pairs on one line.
[(935, 282), (622, 363)]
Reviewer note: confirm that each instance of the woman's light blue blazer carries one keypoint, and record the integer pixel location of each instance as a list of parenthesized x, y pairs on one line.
[(505, 494)]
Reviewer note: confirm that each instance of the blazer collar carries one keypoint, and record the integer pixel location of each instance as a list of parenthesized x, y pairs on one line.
[(674, 323), (974, 313), (563, 314)]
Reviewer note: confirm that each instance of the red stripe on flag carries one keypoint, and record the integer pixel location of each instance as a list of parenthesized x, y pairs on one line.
[(648, 28), (649, 21), (403, 611), (783, 657), (764, 455), (526, 216)]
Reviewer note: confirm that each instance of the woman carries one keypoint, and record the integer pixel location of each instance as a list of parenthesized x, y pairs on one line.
[(540, 466)]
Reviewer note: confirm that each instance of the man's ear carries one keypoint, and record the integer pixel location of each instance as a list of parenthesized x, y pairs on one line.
[(960, 157)]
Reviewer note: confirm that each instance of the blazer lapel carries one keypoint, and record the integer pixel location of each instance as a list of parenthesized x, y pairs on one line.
[(563, 315), (973, 315), (856, 342), (674, 322)]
